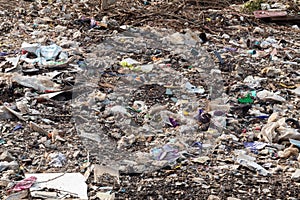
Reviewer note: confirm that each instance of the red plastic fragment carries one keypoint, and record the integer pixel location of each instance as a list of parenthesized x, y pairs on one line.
[(269, 14), (24, 184)]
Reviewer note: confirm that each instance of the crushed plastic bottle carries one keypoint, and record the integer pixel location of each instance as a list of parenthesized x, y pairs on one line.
[(166, 152), (57, 159), (193, 89)]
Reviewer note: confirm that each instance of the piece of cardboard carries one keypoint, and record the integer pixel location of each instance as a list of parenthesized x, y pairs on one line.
[(66, 183)]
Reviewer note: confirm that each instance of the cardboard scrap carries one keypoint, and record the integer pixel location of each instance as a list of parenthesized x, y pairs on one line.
[(63, 183)]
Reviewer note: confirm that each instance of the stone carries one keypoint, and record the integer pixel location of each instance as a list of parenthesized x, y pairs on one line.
[(6, 156), (296, 175), (213, 197)]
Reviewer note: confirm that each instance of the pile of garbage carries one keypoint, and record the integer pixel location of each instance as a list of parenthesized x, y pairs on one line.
[(145, 100)]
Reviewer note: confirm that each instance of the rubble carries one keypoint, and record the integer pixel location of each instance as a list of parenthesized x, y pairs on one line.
[(149, 99)]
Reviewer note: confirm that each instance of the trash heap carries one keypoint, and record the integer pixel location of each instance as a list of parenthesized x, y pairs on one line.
[(149, 100), (149, 94)]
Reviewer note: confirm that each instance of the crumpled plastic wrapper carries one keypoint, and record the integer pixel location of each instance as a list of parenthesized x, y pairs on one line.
[(277, 130), (57, 159)]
